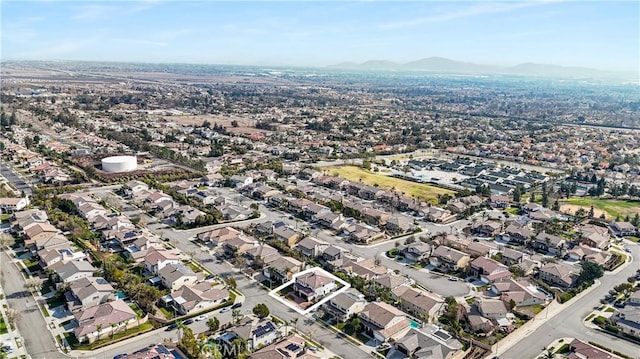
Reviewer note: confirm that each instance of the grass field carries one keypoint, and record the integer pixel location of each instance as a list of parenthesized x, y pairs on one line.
[(612, 207), (421, 191)]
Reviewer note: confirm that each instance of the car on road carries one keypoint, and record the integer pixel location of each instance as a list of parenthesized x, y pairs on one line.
[(187, 322), (225, 309), (120, 356), (210, 276), (171, 327), (627, 250), (453, 279), (313, 349), (236, 306), (201, 317)]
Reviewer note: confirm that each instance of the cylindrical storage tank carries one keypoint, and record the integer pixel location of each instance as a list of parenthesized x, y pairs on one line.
[(119, 163)]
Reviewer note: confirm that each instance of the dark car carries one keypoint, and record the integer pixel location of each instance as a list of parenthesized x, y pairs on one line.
[(188, 321), (236, 306), (120, 356), (619, 304), (172, 327)]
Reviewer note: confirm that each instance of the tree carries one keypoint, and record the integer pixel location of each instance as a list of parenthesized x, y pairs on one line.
[(6, 241), (589, 272), (517, 193), (234, 123), (231, 283), (356, 324), (213, 324), (591, 212), (237, 316), (99, 329), (261, 310)]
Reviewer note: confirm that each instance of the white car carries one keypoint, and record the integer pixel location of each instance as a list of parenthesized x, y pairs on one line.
[(201, 317), (225, 309)]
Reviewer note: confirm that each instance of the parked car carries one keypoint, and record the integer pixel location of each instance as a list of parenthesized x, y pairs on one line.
[(453, 279), (236, 306), (225, 309), (171, 327), (618, 304), (120, 356), (201, 317), (187, 322)]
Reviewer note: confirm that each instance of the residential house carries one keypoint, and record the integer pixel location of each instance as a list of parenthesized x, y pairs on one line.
[(478, 249), (311, 247), (282, 269), (522, 292), (261, 255), (518, 234), (90, 209), (589, 254), (55, 241), (293, 346), (133, 187), (627, 320), (36, 231), (449, 259), (488, 270), (493, 309), (363, 233), (383, 322), (498, 201), (88, 292), (287, 235), (239, 181), (313, 286), (75, 270), (488, 228), (174, 276), (103, 319), (196, 298), (219, 236), (155, 260), (415, 252), (594, 236), (366, 269), (256, 333), (623, 228), (345, 305), (419, 303), (55, 256), (558, 274), (397, 225), (582, 350), (328, 219), (157, 351), (10, 205), (510, 257), (428, 342), (549, 243), (239, 245), (390, 281), (438, 215)]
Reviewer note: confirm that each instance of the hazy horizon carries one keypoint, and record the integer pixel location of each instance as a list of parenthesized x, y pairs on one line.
[(595, 35)]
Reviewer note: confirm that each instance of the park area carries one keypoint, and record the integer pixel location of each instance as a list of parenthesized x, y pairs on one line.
[(610, 207), (421, 191)]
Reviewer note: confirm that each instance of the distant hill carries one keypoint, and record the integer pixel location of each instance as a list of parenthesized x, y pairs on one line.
[(441, 64)]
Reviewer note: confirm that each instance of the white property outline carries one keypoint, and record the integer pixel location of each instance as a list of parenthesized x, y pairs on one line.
[(288, 303)]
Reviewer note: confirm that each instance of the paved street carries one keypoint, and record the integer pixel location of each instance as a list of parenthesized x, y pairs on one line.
[(568, 323), (30, 322)]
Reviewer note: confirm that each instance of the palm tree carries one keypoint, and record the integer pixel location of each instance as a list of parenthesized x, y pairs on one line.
[(99, 329), (113, 329)]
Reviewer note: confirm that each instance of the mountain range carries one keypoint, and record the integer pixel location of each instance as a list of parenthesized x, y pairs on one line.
[(441, 64)]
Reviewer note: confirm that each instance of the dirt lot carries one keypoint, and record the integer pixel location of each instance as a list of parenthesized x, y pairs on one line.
[(571, 209), (245, 125)]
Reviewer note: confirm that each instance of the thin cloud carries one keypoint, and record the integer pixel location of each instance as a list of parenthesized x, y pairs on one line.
[(142, 42), (53, 50), (478, 9)]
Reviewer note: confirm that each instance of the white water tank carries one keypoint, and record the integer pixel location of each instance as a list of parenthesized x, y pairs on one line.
[(119, 164)]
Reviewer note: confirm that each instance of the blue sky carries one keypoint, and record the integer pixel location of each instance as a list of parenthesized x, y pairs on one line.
[(601, 35)]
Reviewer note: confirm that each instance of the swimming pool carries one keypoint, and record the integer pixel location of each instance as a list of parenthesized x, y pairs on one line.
[(415, 324)]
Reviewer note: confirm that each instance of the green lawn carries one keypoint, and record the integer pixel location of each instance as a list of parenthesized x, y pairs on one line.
[(613, 207), (166, 312), (108, 339), (422, 191), (3, 326), (138, 311)]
